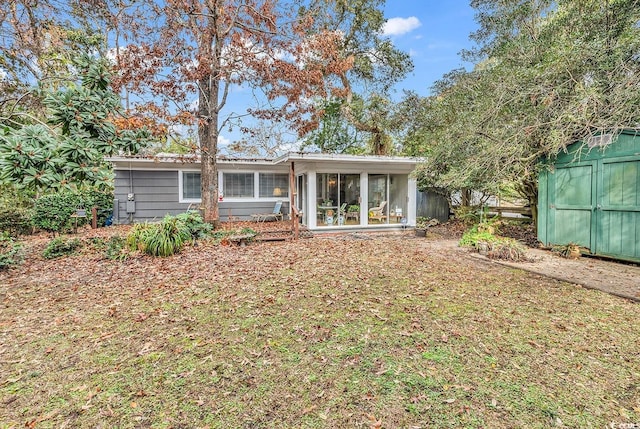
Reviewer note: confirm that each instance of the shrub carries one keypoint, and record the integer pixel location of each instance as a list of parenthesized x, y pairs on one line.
[(193, 222), (163, 239), (166, 238), (52, 212), (478, 234), (102, 199), (137, 237), (10, 252), (60, 247), (15, 221)]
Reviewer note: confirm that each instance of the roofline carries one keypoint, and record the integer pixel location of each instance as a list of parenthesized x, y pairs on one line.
[(290, 156)]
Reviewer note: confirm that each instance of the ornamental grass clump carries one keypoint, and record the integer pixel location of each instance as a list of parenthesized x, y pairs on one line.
[(162, 239)]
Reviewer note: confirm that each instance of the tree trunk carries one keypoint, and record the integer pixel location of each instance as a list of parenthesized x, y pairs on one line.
[(208, 136)]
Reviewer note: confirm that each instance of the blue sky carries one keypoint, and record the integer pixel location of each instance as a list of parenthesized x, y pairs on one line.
[(433, 33)]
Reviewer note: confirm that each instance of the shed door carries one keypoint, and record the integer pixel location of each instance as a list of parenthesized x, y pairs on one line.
[(618, 224), (572, 194)]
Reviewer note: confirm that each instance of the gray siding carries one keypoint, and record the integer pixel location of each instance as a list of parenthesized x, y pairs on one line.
[(156, 195)]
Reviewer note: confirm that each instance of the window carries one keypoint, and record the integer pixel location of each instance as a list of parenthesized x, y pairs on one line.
[(274, 185), (237, 185), (190, 186)]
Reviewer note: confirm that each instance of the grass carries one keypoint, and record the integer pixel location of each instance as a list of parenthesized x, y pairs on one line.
[(321, 333)]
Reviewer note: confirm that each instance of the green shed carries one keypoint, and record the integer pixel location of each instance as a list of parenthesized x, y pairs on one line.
[(590, 196)]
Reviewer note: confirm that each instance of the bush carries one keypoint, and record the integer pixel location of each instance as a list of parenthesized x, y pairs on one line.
[(53, 212), (137, 237), (193, 222), (478, 234), (103, 200), (163, 239), (60, 247), (15, 221), (10, 252)]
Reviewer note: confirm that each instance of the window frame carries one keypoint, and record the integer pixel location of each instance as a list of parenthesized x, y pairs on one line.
[(284, 188), (181, 198)]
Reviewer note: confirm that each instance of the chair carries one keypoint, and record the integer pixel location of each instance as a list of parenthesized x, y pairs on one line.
[(342, 214), (275, 214), (378, 213)]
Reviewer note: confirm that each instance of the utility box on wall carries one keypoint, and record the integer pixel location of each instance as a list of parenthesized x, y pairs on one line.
[(131, 203), (590, 196)]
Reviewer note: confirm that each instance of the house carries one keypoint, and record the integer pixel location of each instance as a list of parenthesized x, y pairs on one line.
[(590, 196), (330, 191)]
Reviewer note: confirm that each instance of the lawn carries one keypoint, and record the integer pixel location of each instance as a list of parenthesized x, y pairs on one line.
[(384, 332)]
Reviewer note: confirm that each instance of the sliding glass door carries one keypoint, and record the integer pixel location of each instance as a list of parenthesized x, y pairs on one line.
[(337, 199), (387, 198)]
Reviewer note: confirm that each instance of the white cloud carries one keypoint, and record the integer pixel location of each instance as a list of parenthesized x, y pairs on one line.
[(400, 26), (223, 141)]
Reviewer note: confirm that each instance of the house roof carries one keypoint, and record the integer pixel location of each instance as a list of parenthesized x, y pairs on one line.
[(174, 160)]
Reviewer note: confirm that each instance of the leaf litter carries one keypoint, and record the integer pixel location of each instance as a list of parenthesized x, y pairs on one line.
[(324, 332)]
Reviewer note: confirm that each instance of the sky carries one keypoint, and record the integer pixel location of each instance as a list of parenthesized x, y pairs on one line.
[(433, 33)]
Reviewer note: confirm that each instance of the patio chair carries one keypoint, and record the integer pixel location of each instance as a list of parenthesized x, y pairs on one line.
[(276, 214), (378, 213)]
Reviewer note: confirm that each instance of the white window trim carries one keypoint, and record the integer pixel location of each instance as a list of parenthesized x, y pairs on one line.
[(181, 188), (256, 187)]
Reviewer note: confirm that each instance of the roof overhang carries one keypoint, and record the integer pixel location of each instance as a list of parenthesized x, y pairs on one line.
[(174, 161)]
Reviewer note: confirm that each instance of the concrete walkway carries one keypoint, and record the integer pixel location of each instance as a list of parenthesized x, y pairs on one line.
[(616, 278)]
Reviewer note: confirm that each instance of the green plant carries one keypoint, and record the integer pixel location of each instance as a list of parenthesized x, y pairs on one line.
[(163, 239), (60, 247), (10, 252), (53, 212), (137, 237), (116, 248), (469, 215), (102, 200), (15, 221), (193, 222), (478, 234), (166, 238), (353, 208)]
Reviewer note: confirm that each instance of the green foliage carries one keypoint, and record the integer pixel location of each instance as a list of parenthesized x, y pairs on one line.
[(15, 221), (483, 237), (481, 233), (334, 133), (548, 74), (167, 237), (61, 247), (193, 222), (10, 252), (137, 237), (71, 152), (53, 212), (100, 198), (470, 215), (116, 248)]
